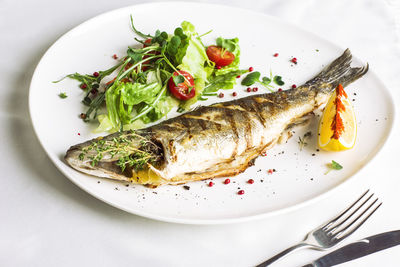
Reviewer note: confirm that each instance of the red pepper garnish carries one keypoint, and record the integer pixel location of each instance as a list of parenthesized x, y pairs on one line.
[(337, 122)]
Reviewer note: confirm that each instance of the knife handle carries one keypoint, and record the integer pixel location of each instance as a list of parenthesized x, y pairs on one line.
[(283, 253)]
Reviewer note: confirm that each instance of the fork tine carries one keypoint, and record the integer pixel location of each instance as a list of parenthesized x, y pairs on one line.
[(348, 217), (338, 235), (344, 212), (358, 217)]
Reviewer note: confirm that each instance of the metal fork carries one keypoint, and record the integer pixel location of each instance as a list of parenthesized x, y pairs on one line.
[(336, 230)]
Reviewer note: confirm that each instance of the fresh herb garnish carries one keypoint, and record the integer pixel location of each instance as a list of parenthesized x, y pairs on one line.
[(128, 150), (278, 80), (303, 141), (334, 166), (62, 95), (178, 79), (254, 77), (228, 44), (223, 81)]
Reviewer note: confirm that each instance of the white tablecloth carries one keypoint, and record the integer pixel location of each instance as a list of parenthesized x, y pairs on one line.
[(45, 220)]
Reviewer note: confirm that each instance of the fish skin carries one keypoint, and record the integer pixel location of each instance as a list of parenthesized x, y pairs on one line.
[(224, 139)]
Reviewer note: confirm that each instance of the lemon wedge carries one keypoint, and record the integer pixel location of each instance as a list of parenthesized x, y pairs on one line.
[(337, 127)]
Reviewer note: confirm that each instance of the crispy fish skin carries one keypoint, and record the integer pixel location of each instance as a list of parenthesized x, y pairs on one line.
[(223, 139)]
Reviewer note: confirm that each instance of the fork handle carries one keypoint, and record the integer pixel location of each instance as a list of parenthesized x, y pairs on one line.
[(283, 253)]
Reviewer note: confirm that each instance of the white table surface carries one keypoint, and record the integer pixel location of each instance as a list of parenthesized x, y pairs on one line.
[(45, 220)]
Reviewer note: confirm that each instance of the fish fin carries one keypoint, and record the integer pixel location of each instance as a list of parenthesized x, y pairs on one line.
[(338, 72), (288, 132)]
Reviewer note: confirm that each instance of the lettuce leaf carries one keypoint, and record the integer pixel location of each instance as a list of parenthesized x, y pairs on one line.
[(195, 61)]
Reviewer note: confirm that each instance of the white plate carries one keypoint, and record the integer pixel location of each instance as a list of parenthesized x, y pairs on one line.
[(300, 176)]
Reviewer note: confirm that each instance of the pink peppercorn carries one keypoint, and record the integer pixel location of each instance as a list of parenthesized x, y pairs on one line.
[(210, 184), (294, 60), (221, 95), (238, 76), (294, 86), (115, 56), (96, 74), (227, 181), (280, 90), (248, 89), (250, 181), (234, 94), (251, 69), (83, 86), (240, 192), (276, 54), (255, 89)]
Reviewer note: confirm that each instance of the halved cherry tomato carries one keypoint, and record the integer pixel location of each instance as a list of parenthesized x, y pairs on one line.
[(219, 57), (182, 91)]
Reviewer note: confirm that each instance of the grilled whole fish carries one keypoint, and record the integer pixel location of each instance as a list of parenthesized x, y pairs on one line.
[(211, 141)]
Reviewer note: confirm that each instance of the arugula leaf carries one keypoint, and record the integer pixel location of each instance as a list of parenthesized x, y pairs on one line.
[(91, 80)]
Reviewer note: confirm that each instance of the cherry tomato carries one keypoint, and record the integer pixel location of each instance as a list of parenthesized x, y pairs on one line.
[(219, 57), (182, 91)]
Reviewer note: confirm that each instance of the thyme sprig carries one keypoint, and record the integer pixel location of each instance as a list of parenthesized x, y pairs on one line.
[(303, 141), (128, 149)]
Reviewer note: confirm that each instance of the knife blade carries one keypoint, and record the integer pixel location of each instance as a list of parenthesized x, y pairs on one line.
[(358, 249)]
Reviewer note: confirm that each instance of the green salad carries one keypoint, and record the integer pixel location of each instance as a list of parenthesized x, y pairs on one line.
[(163, 72)]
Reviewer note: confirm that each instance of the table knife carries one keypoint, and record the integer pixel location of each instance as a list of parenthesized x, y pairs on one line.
[(358, 249)]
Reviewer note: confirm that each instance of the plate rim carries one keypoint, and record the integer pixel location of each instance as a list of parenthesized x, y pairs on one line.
[(237, 219)]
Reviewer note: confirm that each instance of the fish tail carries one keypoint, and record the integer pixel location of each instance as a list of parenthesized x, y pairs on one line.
[(338, 72)]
